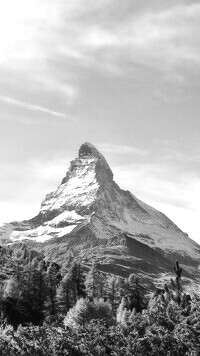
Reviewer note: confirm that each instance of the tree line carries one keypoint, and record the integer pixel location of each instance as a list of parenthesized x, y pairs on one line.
[(34, 290), (47, 309)]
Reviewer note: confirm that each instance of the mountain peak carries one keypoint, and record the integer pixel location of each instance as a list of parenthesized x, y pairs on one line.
[(88, 150), (103, 223), (87, 174)]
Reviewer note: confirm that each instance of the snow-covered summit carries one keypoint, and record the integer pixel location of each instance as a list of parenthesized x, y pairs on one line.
[(88, 208), (79, 188)]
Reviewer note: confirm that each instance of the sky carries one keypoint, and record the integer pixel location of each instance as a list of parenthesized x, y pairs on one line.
[(123, 75)]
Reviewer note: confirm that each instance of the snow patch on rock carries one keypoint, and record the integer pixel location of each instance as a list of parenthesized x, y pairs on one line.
[(67, 217), (41, 234), (79, 189)]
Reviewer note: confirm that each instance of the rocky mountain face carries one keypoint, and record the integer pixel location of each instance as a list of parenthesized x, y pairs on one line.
[(89, 216)]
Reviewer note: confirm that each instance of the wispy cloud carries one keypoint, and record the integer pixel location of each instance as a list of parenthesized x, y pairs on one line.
[(31, 107), (29, 37), (120, 149), (164, 40), (47, 42)]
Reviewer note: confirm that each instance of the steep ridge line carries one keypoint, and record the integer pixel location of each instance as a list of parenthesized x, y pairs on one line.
[(89, 212)]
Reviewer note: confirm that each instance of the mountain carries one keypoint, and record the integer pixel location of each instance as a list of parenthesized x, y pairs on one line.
[(89, 216)]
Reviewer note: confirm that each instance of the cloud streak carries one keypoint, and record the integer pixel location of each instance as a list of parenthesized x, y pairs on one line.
[(121, 149), (31, 107)]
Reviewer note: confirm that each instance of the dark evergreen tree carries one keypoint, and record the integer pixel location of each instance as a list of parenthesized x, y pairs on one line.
[(65, 295), (112, 288), (77, 279), (71, 288), (91, 286), (123, 287), (136, 294), (38, 286), (96, 284), (52, 280), (177, 285)]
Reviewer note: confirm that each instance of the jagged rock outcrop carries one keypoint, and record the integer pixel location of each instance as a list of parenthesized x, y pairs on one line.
[(89, 214)]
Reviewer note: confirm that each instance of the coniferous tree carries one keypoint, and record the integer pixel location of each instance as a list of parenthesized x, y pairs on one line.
[(71, 288), (38, 286), (16, 285), (136, 294), (85, 310), (123, 306), (64, 295), (101, 285), (96, 284), (80, 281), (112, 287), (91, 283), (20, 292), (77, 280), (126, 316), (177, 285), (52, 281), (123, 287), (101, 310), (77, 315)]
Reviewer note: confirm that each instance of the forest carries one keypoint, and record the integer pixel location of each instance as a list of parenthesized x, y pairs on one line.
[(52, 310)]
